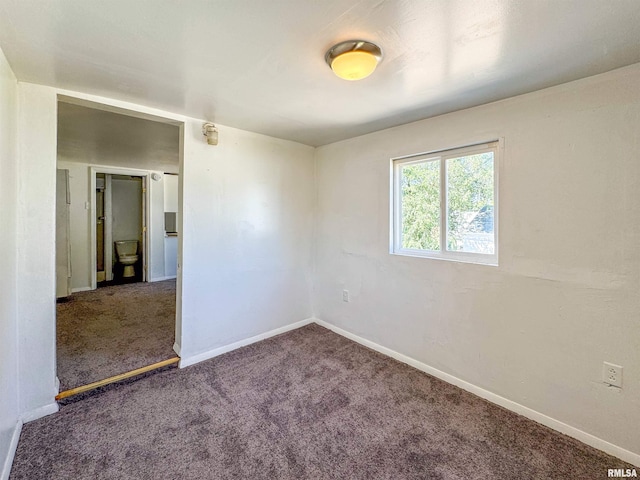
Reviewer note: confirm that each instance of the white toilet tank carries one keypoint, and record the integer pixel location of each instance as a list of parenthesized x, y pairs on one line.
[(126, 247)]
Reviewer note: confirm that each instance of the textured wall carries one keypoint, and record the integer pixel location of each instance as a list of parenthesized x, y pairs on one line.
[(36, 249), (245, 241), (564, 298), (8, 285), (246, 236)]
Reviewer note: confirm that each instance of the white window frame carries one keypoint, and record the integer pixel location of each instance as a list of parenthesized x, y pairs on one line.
[(396, 204)]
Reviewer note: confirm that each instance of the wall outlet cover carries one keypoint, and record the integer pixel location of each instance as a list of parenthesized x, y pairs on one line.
[(612, 374)]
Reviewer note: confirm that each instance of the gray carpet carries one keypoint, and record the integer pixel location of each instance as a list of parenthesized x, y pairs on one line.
[(307, 404), (114, 329)]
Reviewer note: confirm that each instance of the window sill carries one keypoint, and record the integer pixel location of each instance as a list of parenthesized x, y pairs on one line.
[(459, 257)]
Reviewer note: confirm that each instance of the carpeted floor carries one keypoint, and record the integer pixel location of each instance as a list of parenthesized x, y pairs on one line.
[(114, 329), (308, 404)]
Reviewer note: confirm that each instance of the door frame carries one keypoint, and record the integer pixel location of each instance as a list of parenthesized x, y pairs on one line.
[(39, 111), (146, 213)]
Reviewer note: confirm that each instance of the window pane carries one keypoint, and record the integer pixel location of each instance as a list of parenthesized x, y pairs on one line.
[(420, 190), (470, 204)]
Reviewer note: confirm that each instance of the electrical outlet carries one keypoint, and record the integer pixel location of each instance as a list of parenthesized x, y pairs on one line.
[(345, 295), (612, 374)]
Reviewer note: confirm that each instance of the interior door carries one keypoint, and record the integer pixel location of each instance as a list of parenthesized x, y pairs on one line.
[(63, 243)]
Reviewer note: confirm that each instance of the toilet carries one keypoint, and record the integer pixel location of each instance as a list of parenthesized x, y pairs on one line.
[(127, 251)]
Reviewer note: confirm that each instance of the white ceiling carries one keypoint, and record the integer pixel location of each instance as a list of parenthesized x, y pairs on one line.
[(98, 137), (258, 65)]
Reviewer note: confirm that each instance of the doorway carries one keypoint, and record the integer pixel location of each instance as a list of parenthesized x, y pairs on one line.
[(118, 317), (120, 225), (120, 212)]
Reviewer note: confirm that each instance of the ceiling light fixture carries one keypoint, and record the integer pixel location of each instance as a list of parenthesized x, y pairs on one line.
[(353, 59)]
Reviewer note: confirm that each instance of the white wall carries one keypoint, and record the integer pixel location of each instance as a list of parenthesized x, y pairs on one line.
[(9, 412), (170, 256), (126, 201), (80, 187), (171, 201), (36, 250), (245, 237), (564, 298), (247, 219), (171, 193)]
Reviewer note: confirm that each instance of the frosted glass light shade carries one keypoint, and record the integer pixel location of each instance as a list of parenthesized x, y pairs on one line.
[(353, 59), (354, 65)]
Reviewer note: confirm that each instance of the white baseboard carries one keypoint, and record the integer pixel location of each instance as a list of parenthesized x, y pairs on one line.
[(185, 362), (40, 412), (13, 446), (160, 279), (176, 348), (561, 427), (81, 289)]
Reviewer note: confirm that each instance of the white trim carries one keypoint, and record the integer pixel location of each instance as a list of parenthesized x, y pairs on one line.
[(463, 148), (460, 257), (93, 250), (108, 228), (176, 348), (442, 156), (107, 104), (81, 289), (11, 453), (193, 359), (40, 412), (160, 279), (527, 412)]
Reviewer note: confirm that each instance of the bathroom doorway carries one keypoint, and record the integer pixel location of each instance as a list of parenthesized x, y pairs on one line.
[(119, 212), (120, 225)]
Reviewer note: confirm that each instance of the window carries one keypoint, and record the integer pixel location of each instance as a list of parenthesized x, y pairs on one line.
[(445, 204)]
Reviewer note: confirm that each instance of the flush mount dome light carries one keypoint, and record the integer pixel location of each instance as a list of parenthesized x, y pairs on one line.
[(353, 59)]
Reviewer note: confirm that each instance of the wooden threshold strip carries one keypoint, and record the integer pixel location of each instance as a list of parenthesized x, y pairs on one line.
[(116, 378)]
